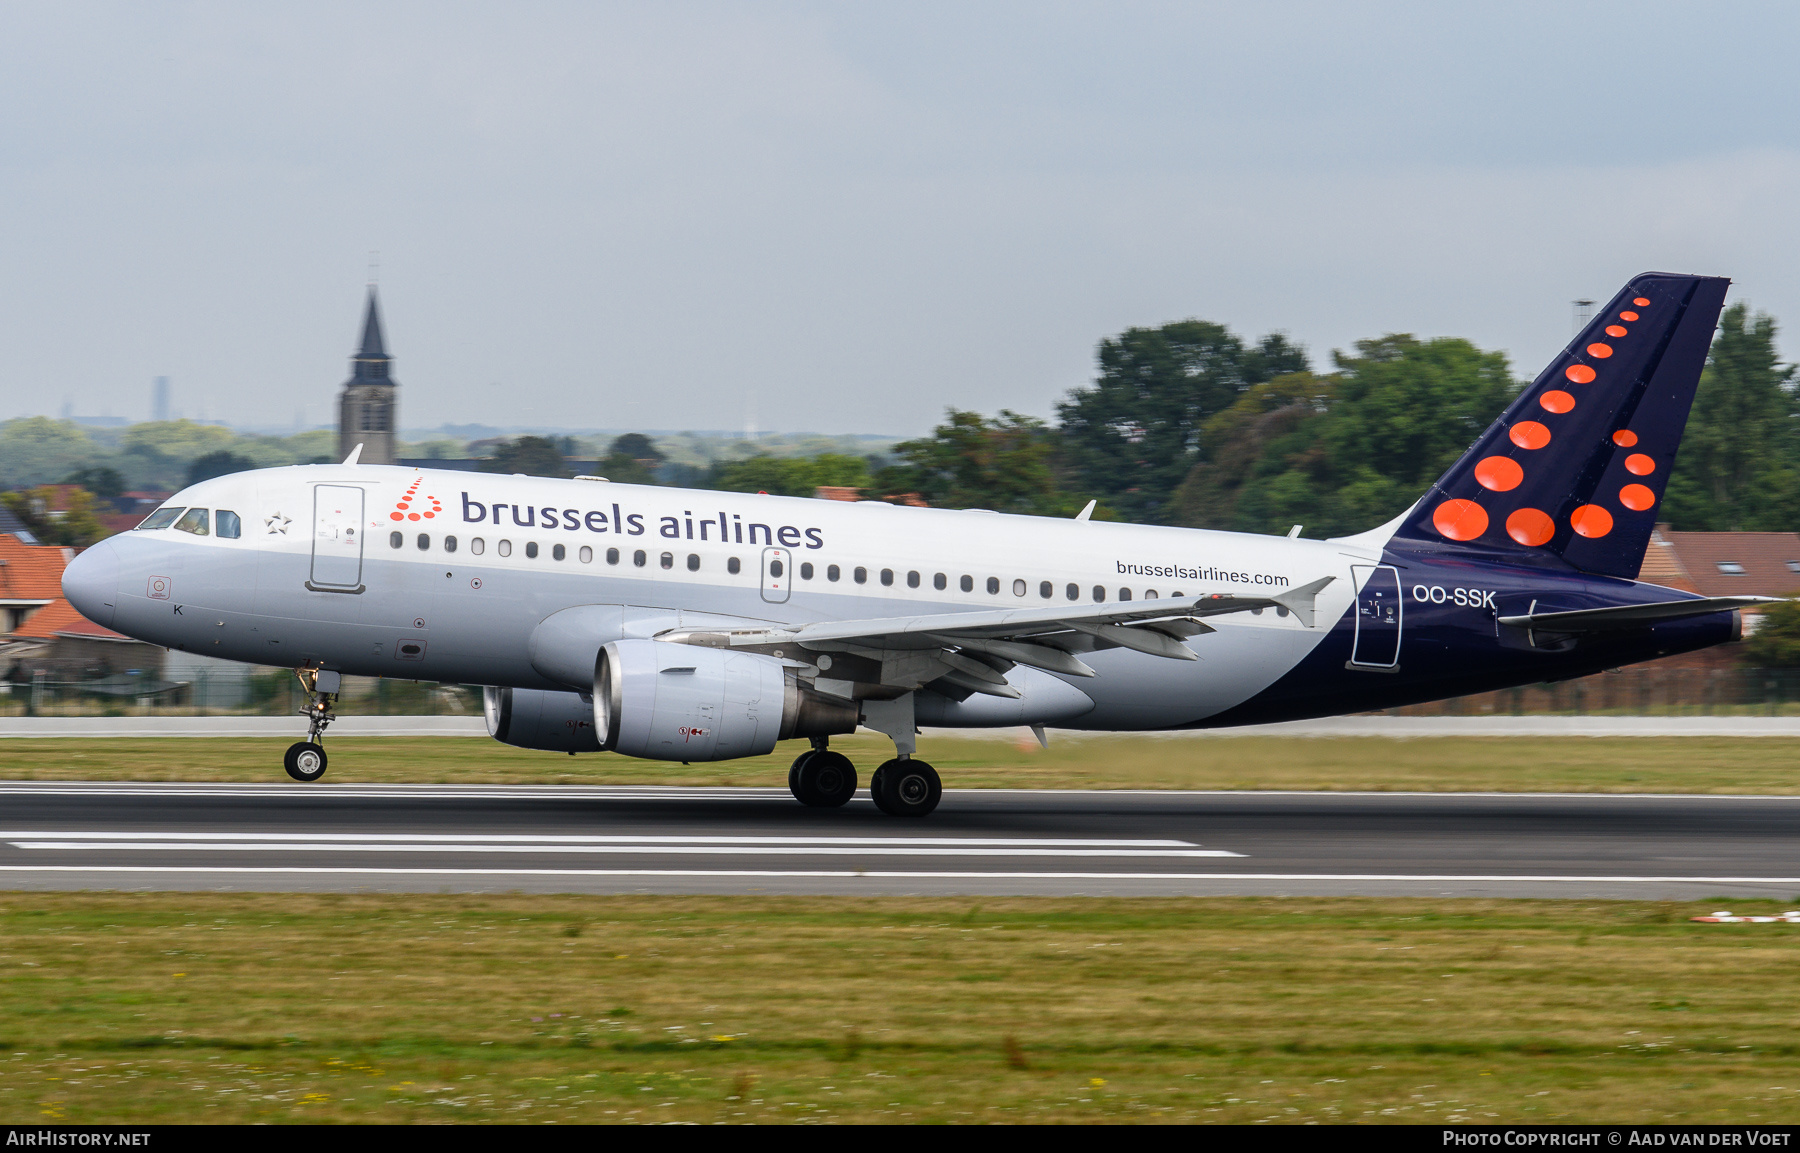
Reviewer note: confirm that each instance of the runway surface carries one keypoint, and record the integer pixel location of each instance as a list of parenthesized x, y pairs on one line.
[(437, 838)]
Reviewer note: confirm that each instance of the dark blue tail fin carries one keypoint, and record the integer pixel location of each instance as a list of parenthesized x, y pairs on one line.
[(1576, 467)]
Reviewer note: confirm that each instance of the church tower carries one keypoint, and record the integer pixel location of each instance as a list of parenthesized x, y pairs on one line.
[(368, 411)]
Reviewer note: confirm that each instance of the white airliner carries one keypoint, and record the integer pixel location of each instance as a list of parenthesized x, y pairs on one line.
[(696, 626)]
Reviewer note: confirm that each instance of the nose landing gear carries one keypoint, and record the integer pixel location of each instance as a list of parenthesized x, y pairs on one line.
[(305, 760)]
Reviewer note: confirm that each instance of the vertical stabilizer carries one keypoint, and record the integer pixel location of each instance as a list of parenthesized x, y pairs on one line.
[(1577, 465)]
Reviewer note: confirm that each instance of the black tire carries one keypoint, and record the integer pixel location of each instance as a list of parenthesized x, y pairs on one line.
[(875, 786), (794, 774), (827, 780), (305, 762), (908, 788)]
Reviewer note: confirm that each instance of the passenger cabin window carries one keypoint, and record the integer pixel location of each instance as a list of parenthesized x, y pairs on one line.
[(775, 568), (912, 580), (586, 555), (939, 582), (449, 544), (505, 548), (424, 541), (161, 518), (396, 540), (993, 586), (693, 562), (531, 549), (968, 583), (1124, 594), (640, 558), (1046, 590), (612, 556), (1149, 594), (887, 576), (1099, 593), (1018, 588), (477, 545), (558, 552), (862, 575), (668, 560), (735, 566), (1073, 592), (832, 572), (195, 522), (228, 523), (806, 570)]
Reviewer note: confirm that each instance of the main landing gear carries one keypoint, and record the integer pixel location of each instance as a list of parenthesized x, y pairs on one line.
[(902, 787), (305, 760)]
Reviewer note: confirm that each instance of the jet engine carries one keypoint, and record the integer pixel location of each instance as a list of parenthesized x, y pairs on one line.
[(535, 719), (679, 702)]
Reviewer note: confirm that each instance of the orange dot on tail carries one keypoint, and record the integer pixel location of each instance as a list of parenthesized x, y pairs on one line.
[(1499, 473), (1637, 464), (1590, 520), (1460, 519), (1557, 400), (1641, 302), (395, 516), (1529, 434), (1530, 527), (1624, 438), (1627, 316), (1601, 351), (1579, 373), (1637, 497), (1616, 330)]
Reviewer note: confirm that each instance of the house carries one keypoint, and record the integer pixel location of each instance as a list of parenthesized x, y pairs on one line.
[(1721, 564), (40, 632)]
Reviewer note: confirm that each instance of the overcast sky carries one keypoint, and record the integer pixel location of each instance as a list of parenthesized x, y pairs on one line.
[(846, 217)]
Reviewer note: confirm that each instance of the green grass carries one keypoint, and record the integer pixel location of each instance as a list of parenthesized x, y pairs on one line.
[(1505, 764), (211, 1007)]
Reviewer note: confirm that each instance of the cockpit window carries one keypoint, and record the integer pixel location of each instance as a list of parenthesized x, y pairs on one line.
[(194, 522), (162, 517), (228, 524)]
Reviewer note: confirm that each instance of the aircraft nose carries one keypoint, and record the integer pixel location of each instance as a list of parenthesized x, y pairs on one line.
[(91, 582)]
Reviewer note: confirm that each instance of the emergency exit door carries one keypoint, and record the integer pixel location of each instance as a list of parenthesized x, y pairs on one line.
[(1378, 617), (337, 539), (777, 574)]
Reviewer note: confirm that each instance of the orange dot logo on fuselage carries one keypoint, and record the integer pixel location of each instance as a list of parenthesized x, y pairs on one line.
[(1529, 434), (1530, 527), (1460, 519), (1499, 474), (403, 508)]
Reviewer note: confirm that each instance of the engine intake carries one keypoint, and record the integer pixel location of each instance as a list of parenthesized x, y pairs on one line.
[(676, 702)]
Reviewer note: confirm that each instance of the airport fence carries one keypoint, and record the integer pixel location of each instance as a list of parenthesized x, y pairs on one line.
[(1641, 691)]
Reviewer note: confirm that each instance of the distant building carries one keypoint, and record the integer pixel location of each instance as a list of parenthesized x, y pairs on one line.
[(368, 410), (1722, 564), (159, 399)]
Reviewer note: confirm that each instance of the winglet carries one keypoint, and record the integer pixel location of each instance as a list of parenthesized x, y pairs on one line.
[(1300, 601), (355, 455), (1087, 510)]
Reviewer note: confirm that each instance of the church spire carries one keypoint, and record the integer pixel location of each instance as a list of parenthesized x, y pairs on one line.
[(371, 361), (372, 346)]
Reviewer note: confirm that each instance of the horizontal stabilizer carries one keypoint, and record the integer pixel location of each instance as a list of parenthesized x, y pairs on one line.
[(1629, 616), (1300, 601)]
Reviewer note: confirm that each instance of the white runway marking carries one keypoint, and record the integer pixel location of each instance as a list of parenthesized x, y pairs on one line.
[(1423, 878), (747, 846)]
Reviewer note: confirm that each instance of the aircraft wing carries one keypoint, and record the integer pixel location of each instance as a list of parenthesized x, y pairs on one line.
[(974, 650)]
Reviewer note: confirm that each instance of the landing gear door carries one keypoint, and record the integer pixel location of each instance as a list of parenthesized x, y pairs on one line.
[(337, 539), (777, 574), (1378, 616)]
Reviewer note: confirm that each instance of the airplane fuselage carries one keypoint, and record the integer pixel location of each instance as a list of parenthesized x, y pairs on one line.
[(451, 577)]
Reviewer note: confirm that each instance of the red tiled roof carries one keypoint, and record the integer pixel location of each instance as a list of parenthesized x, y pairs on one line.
[(115, 522), (1661, 566), (30, 571), (59, 619), (1765, 558)]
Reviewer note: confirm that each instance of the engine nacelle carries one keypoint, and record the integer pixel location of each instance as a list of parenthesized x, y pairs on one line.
[(676, 702), (535, 719)]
